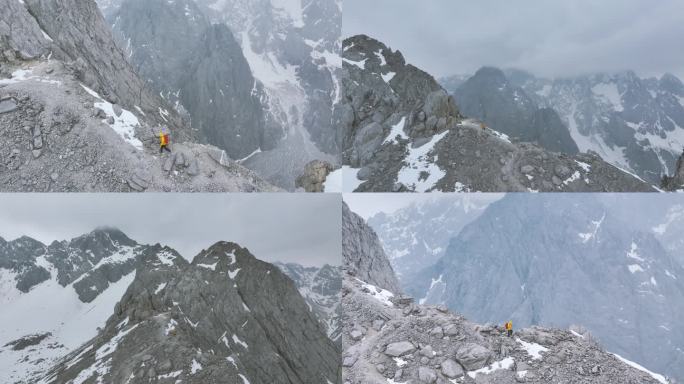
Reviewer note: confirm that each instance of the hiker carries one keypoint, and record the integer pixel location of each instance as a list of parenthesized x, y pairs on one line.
[(483, 126), (163, 141), (509, 328)]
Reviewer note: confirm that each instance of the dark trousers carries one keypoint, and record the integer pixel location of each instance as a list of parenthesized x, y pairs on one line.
[(163, 147), (510, 332)]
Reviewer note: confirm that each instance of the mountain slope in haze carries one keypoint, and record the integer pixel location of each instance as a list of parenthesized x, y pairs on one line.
[(635, 123), (490, 97), (320, 287), (362, 253), (389, 339), (417, 235), (198, 67), (55, 297), (281, 84), (400, 131), (74, 116), (225, 317), (559, 261)]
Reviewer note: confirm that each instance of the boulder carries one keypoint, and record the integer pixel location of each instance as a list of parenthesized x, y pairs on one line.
[(451, 369), (399, 349), (473, 356)]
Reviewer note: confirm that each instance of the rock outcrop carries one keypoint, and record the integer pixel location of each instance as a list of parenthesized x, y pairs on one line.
[(313, 178), (362, 253), (675, 182), (403, 132)]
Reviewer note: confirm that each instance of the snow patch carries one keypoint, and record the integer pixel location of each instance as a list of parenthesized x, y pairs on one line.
[(634, 268), (506, 363), (532, 349), (397, 131), (420, 173), (609, 93), (208, 266), (382, 295), (342, 180)]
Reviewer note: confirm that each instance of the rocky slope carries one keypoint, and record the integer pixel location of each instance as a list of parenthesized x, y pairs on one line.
[(225, 317), (389, 339), (396, 341), (400, 131), (558, 261), (362, 253), (55, 297), (74, 116), (276, 95), (491, 98), (320, 287), (635, 123)]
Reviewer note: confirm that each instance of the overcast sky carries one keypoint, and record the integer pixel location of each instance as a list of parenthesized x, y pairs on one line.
[(367, 205), (547, 38), (275, 227)]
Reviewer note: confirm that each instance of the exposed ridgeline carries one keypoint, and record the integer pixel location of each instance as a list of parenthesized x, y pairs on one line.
[(225, 317), (362, 253), (388, 338), (572, 259), (400, 131), (74, 116)]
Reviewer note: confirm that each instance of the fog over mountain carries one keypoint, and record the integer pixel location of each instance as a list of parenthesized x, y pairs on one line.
[(611, 264), (550, 39)]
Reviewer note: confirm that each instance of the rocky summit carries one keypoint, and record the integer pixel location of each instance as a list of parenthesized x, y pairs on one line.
[(400, 131), (225, 317), (388, 338), (107, 309), (76, 117)]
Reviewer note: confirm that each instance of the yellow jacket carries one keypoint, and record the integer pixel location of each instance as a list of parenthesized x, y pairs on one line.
[(163, 139)]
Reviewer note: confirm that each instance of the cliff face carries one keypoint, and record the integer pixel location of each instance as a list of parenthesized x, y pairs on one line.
[(362, 253)]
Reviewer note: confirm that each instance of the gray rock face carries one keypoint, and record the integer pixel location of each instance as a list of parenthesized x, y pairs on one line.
[(490, 97), (632, 122), (433, 223), (320, 287), (197, 66), (363, 255), (227, 317), (676, 181), (280, 113), (559, 261), (98, 139), (407, 348), (407, 134)]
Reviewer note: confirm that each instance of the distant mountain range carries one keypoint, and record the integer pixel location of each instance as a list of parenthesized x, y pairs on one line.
[(631, 122)]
